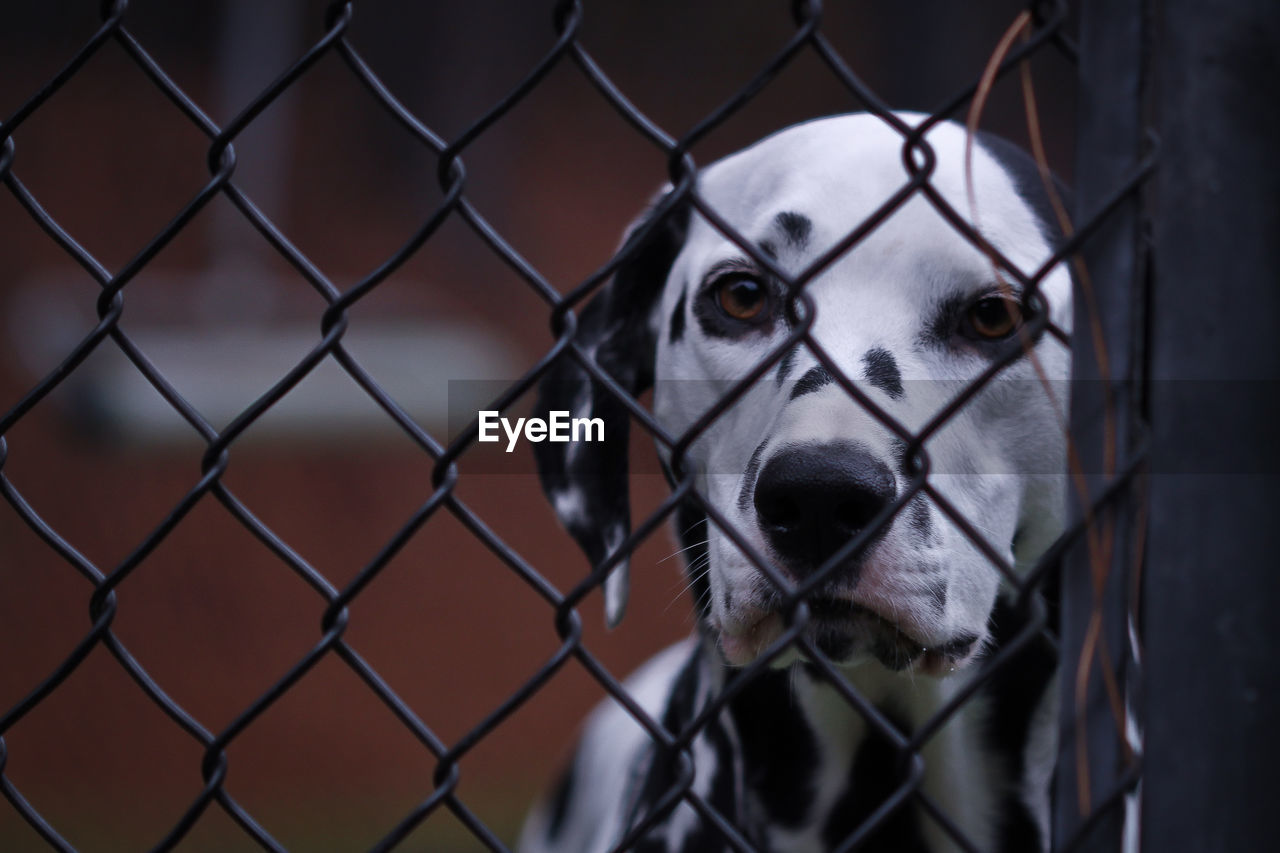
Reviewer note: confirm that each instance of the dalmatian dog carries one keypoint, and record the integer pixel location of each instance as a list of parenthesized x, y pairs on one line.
[(910, 314)]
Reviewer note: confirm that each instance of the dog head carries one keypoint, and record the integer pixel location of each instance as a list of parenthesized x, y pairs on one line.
[(910, 314)]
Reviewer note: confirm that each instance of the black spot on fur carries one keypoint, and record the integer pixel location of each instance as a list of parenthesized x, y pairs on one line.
[(796, 227), (677, 319), (663, 770), (881, 370), (749, 479), (684, 692), (1015, 690), (722, 794), (918, 516), (780, 754), (785, 364), (876, 773), (664, 765), (813, 379)]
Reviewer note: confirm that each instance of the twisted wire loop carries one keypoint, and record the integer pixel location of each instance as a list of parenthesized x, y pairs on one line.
[(1046, 31)]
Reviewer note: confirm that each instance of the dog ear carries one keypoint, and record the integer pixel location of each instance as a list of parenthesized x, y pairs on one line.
[(1029, 183), (587, 482)]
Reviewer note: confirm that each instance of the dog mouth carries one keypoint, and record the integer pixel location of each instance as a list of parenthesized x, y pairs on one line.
[(847, 633)]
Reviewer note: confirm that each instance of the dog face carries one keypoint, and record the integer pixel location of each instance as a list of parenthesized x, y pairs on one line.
[(910, 314)]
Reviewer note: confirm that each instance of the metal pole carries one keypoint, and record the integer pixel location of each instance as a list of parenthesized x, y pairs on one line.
[(1212, 594), (1094, 759)]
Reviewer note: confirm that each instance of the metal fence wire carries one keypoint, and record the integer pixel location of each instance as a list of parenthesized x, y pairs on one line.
[(1099, 762)]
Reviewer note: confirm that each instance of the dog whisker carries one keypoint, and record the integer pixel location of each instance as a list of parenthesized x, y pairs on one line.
[(695, 575), (682, 550)]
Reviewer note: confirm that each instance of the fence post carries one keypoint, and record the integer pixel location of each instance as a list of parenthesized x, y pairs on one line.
[(1211, 597), (1094, 762)]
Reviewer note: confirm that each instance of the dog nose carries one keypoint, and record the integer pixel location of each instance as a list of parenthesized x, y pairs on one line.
[(813, 498)]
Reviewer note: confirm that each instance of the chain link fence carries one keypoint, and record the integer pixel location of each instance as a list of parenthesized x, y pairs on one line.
[(1094, 563)]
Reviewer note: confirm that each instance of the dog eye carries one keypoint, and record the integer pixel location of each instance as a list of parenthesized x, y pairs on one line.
[(994, 317), (741, 297)]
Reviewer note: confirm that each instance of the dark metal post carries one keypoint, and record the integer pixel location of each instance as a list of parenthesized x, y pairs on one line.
[(1094, 759), (1212, 594)]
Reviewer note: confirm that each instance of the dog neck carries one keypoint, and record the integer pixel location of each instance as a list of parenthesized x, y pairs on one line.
[(822, 760)]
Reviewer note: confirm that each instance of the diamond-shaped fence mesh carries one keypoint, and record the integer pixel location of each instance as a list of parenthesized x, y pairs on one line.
[(160, 531)]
